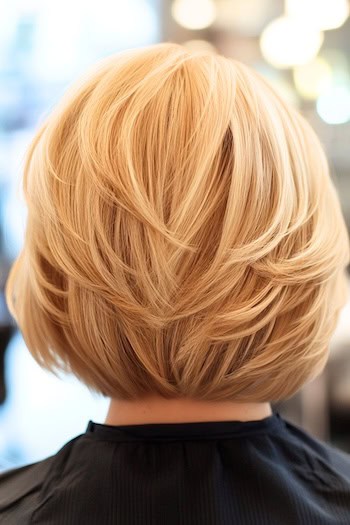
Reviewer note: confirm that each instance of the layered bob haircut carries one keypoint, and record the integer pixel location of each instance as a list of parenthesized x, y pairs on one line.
[(184, 236)]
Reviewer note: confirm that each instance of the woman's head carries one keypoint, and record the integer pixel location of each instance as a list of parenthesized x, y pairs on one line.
[(184, 237)]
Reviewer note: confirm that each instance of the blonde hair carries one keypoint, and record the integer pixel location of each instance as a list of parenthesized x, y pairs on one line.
[(184, 237)]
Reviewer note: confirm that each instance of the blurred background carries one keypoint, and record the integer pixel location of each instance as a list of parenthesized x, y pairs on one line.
[(300, 46)]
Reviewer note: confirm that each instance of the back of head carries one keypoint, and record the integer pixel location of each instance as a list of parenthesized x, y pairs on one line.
[(184, 236)]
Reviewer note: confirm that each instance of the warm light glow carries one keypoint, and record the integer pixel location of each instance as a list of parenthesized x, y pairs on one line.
[(194, 14), (324, 14), (289, 41), (200, 45), (339, 64), (313, 78), (247, 17), (333, 106)]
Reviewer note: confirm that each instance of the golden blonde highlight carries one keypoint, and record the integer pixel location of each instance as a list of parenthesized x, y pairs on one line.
[(184, 236)]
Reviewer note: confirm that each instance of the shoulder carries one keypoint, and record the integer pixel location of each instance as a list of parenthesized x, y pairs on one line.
[(320, 456), (20, 487)]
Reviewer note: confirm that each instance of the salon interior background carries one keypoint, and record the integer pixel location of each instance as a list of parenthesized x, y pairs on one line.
[(301, 46)]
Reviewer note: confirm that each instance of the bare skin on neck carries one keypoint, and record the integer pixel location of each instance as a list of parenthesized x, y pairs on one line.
[(156, 409)]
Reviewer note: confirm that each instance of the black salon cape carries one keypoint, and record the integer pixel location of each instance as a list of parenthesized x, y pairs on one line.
[(262, 472)]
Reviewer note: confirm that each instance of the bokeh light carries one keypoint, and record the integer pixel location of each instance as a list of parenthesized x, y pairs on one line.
[(324, 14), (333, 106), (194, 14), (339, 64), (289, 41), (313, 78), (247, 18)]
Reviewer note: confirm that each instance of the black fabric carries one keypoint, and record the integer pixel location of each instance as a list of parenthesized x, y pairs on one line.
[(264, 472)]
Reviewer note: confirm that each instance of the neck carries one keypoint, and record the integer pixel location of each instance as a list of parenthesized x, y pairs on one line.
[(156, 409)]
